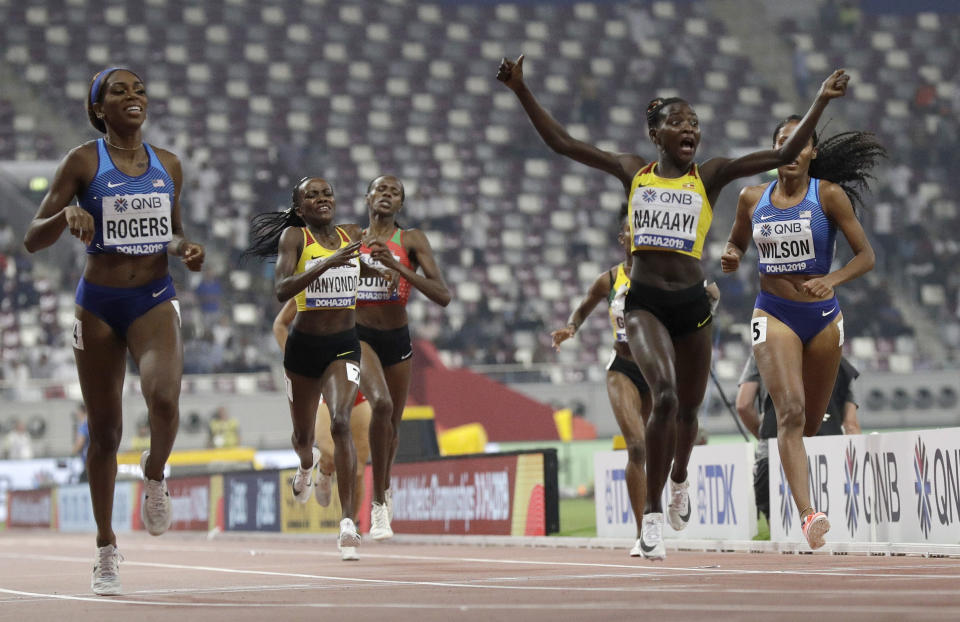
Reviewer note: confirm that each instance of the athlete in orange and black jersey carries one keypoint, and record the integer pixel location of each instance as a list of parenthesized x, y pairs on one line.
[(318, 264), (383, 331), (667, 311)]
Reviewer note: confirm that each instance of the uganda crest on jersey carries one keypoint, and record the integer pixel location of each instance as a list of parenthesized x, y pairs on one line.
[(336, 288), (132, 215)]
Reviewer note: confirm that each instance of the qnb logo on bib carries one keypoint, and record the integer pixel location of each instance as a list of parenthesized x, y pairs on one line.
[(335, 288), (136, 224), (784, 246), (665, 218)]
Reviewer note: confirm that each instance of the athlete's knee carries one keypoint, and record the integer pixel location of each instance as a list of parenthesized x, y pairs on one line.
[(339, 427), (790, 416), (637, 453), (665, 401), (105, 442), (381, 405), (162, 402)]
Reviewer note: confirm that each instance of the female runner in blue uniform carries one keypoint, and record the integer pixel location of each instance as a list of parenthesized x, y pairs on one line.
[(667, 310), (129, 220), (797, 325)]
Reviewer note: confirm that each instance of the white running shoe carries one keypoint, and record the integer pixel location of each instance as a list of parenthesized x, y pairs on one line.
[(380, 522), (815, 526), (388, 501), (651, 537), (349, 538), (349, 553), (302, 482), (678, 512), (155, 510), (636, 551), (323, 487), (106, 576)]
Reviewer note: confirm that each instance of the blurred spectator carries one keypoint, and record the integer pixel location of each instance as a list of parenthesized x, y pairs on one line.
[(17, 444), (209, 293), (81, 441), (224, 430)]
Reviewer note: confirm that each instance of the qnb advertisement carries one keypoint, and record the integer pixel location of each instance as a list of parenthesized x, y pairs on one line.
[(901, 487), (502, 494), (722, 505)]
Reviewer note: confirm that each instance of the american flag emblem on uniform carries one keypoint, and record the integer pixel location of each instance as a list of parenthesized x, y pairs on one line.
[(805, 213), (158, 183)]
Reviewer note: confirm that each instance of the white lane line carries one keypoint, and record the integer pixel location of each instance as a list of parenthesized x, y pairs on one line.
[(819, 609), (647, 570)]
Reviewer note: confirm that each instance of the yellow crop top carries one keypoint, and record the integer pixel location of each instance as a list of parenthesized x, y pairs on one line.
[(334, 289), (669, 214), (615, 301)]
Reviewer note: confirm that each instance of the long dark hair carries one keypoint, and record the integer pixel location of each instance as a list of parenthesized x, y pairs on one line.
[(845, 159), (266, 228)]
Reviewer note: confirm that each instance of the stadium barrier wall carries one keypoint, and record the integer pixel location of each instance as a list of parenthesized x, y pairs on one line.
[(485, 494), (898, 487), (722, 503)]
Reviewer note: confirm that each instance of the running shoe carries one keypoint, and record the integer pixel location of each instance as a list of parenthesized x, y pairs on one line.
[(349, 538), (349, 553), (388, 501), (815, 525), (155, 510), (323, 488), (636, 551), (678, 512), (106, 576), (651, 537), (380, 522), (303, 480)]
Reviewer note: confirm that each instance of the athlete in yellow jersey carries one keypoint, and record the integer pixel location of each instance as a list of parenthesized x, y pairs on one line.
[(667, 311), (628, 392), (318, 264)]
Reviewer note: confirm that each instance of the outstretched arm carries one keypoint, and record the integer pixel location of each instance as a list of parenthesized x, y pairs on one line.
[(598, 291), (718, 172), (621, 166)]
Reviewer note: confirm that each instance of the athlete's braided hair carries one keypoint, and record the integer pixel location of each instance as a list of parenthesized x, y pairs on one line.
[(266, 228), (656, 106), (845, 159)]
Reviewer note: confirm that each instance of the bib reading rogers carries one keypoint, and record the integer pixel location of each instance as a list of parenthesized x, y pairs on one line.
[(665, 218), (136, 224)]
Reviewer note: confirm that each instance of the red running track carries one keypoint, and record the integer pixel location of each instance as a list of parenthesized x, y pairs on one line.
[(180, 576)]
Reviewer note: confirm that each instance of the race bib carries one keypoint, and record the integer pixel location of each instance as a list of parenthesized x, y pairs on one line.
[(376, 288), (137, 224), (617, 321), (784, 246), (665, 218), (334, 289)]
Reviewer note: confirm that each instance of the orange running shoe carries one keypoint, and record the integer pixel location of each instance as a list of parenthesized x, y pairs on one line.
[(814, 527)]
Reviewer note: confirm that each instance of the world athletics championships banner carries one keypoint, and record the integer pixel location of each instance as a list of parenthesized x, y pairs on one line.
[(900, 487), (722, 504), (486, 494)]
